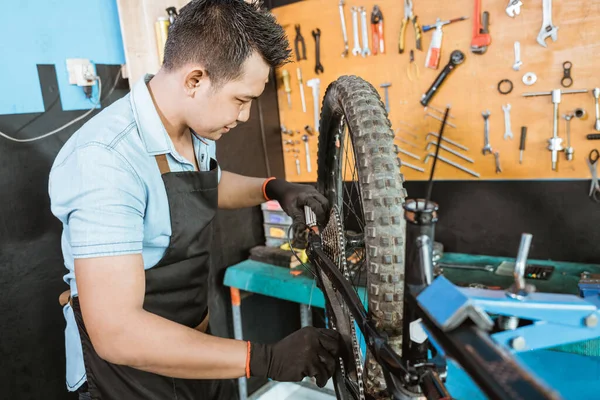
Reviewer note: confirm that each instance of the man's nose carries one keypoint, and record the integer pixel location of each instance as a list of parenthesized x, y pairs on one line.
[(244, 114)]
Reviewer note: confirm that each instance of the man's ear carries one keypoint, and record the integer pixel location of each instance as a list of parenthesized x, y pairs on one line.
[(195, 79)]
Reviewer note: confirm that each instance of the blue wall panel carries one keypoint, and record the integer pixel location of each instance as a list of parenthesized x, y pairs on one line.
[(48, 32)]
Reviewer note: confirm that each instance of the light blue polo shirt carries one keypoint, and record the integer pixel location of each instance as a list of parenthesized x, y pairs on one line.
[(106, 189)]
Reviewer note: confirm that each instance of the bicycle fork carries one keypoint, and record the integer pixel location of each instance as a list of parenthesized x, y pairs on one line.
[(420, 231)]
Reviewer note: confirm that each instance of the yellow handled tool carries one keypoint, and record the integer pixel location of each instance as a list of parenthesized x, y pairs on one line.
[(409, 17)]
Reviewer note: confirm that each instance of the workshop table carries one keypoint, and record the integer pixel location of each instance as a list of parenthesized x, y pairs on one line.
[(574, 376)]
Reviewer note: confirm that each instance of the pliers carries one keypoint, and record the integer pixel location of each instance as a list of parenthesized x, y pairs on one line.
[(377, 30), (409, 16), (299, 40)]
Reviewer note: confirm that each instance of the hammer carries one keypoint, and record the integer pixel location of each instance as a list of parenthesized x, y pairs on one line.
[(385, 87)]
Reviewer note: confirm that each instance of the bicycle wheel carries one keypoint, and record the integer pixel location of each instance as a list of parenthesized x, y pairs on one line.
[(358, 171)]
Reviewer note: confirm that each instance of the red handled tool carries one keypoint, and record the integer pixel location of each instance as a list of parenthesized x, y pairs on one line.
[(377, 28), (481, 34)]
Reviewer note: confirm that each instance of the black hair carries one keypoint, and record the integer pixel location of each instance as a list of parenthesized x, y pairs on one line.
[(221, 34)]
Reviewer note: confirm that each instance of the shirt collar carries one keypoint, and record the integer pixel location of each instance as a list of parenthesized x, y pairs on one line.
[(152, 131)]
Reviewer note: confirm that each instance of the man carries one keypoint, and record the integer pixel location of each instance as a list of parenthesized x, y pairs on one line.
[(136, 189)]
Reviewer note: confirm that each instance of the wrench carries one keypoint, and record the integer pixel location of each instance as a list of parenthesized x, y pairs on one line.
[(487, 149), (356, 50), (518, 62), (514, 8), (318, 66), (497, 158), (507, 128), (365, 36), (548, 29), (596, 94), (315, 85), (343, 20)]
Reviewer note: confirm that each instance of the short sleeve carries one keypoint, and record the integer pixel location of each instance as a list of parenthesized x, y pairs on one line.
[(100, 200)]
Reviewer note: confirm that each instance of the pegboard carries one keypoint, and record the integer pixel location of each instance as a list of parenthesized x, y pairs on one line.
[(470, 89)]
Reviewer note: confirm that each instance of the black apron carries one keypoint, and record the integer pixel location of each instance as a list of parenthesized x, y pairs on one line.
[(176, 289)]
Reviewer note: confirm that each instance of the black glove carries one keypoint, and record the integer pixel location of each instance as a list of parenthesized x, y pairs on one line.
[(293, 197), (307, 352)]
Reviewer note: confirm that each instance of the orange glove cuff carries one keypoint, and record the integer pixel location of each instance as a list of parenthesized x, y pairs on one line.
[(248, 360), (264, 187)]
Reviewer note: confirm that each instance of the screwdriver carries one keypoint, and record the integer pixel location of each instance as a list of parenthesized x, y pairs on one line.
[(286, 84), (522, 145), (301, 83), (427, 28)]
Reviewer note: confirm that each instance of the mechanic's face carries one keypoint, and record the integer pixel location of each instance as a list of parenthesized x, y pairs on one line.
[(211, 113)]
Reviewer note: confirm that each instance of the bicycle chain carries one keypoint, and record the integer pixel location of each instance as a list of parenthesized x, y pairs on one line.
[(334, 239)]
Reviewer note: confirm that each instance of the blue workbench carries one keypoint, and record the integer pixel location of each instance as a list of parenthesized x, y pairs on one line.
[(574, 376)]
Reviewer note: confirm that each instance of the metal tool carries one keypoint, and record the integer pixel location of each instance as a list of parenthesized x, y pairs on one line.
[(286, 84), (412, 71), (577, 113), (548, 29), (529, 78), (514, 8), (318, 66), (507, 128), (450, 124), (460, 146), (365, 35), (301, 84), (427, 28), (356, 50), (377, 31), (344, 33), (518, 62), (481, 34), (405, 164), (439, 111), (411, 144), (297, 164), (456, 58), (400, 150), (409, 17), (452, 163), (385, 87), (592, 162), (299, 40), (522, 143), (449, 150), (596, 94), (566, 80), (487, 149), (406, 132), (555, 142), (487, 268), (569, 149), (497, 159), (315, 85), (306, 149)]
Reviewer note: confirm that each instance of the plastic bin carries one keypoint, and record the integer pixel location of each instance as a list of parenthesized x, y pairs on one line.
[(276, 217), (277, 231), (275, 242)]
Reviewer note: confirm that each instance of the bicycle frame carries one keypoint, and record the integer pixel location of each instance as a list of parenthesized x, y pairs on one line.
[(459, 326)]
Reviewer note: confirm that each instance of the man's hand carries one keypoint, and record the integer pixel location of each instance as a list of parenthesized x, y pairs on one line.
[(308, 352), (293, 197)]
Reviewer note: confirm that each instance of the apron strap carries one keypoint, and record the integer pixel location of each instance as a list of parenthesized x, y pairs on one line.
[(163, 163)]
